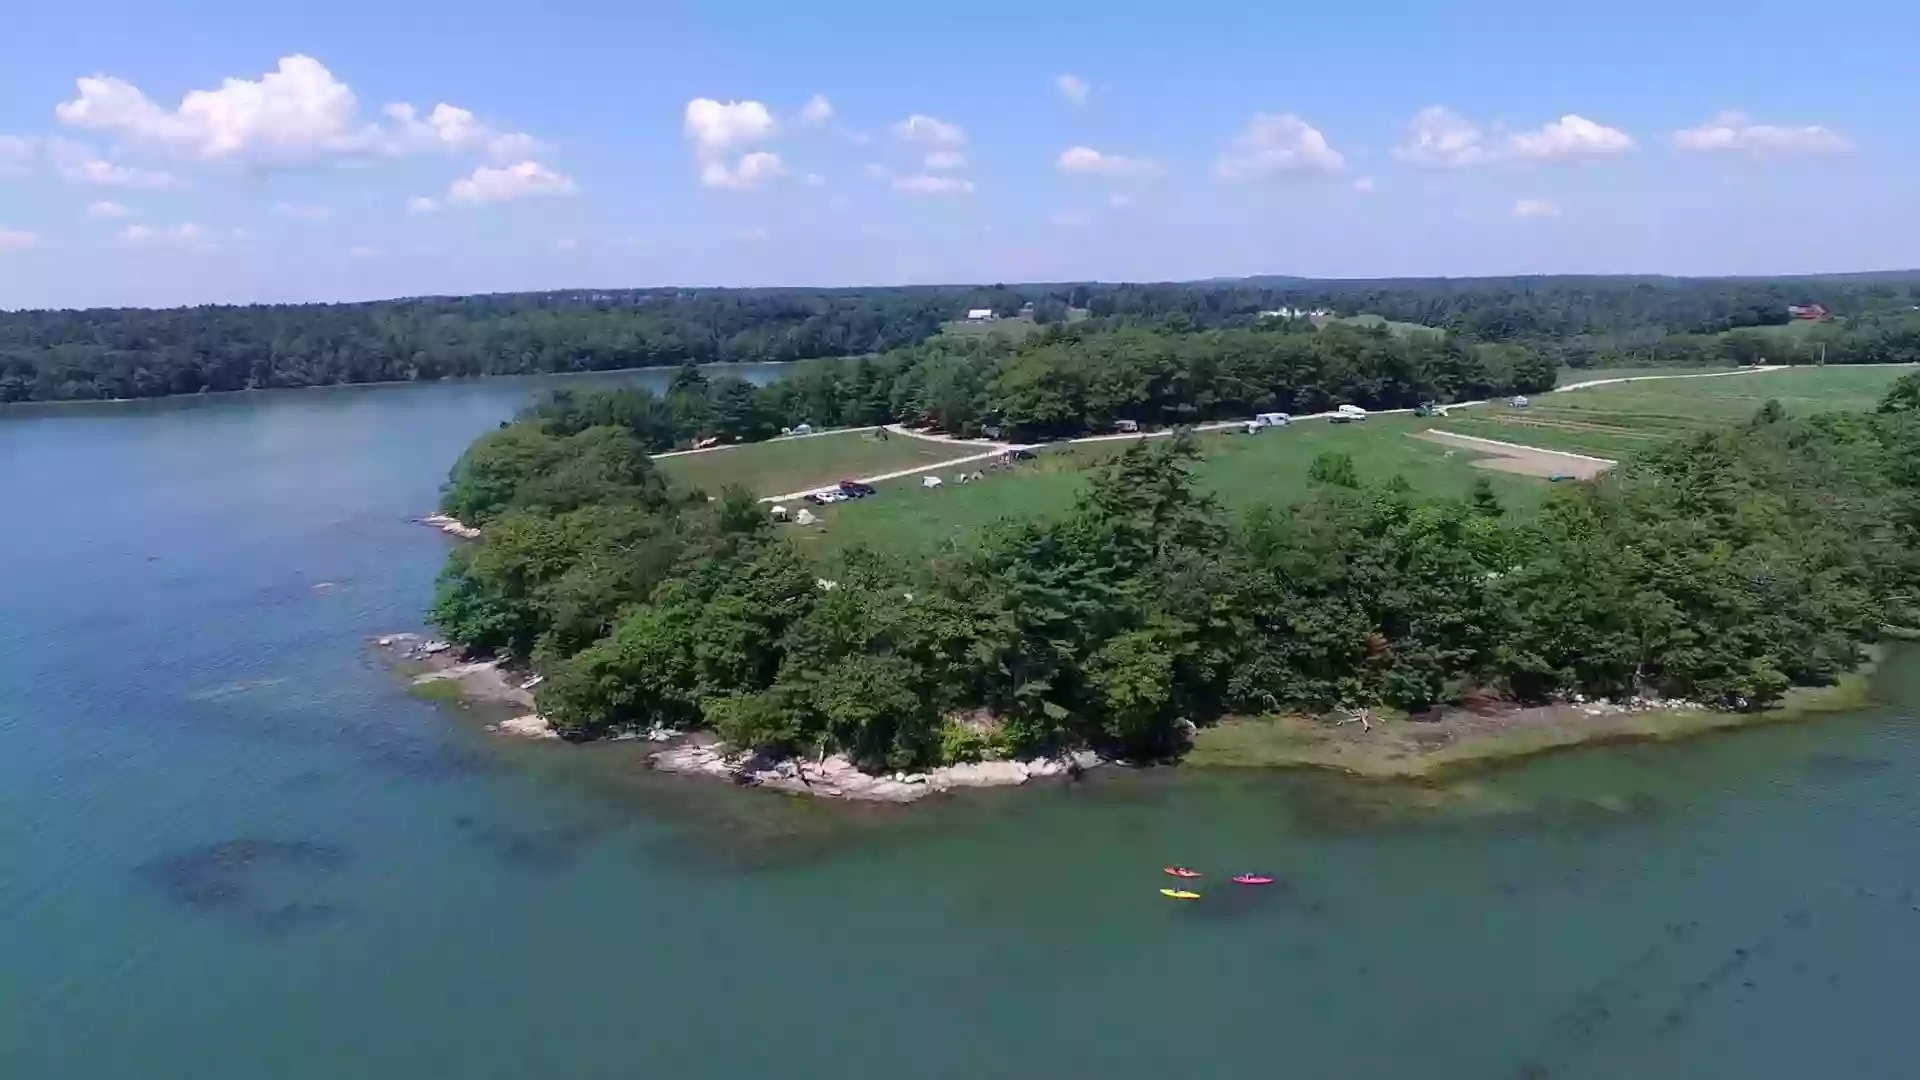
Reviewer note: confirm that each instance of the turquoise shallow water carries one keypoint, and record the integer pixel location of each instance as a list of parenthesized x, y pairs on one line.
[(232, 847)]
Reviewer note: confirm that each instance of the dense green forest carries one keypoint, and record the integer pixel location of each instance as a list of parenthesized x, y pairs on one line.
[(1581, 321), (1069, 380), (1724, 569)]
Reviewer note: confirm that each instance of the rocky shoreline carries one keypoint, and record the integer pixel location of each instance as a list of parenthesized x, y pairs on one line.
[(451, 526), (490, 683), (835, 777)]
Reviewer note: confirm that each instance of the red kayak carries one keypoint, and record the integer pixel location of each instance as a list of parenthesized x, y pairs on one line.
[(1253, 879), (1181, 871)]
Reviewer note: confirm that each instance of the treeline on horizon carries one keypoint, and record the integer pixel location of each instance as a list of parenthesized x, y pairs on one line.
[(1584, 321), (1067, 381), (1724, 568)]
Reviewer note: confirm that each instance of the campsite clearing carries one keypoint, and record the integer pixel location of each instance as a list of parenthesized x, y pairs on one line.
[(1241, 470), (1522, 460), (783, 465), (1608, 422)]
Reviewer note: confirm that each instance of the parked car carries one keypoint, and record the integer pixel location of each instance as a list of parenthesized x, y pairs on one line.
[(854, 489), (1019, 455), (1347, 414), (825, 497), (1519, 402), (1272, 419)]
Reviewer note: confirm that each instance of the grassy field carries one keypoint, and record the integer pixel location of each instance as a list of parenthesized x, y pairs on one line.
[(1017, 328), (784, 465), (1614, 421), (1240, 469), (1394, 326)]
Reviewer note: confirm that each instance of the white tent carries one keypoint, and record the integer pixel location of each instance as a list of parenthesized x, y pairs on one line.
[(805, 517), (930, 482), (780, 513)]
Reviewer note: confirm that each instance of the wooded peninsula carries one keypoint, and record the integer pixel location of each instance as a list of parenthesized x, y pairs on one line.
[(1720, 569)]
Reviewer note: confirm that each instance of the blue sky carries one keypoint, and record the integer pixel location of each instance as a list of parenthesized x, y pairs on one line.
[(157, 153)]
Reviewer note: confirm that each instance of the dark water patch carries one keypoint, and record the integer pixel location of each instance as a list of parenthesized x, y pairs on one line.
[(424, 759), (304, 780), (550, 848), (1843, 766), (246, 882)]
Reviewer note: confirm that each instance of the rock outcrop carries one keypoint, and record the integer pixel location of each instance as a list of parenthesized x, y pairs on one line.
[(837, 777)]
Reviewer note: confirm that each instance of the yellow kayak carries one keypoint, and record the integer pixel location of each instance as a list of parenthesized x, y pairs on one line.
[(1180, 894)]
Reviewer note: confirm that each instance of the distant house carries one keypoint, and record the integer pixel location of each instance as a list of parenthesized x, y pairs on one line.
[(1295, 313), (1807, 311), (981, 314)]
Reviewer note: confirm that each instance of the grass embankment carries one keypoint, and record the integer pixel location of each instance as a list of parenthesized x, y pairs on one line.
[(1399, 748), (1570, 376), (1240, 469), (1616, 421), (782, 465)]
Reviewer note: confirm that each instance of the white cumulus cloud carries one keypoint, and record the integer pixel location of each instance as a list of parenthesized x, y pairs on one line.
[(16, 239), (751, 171), (1274, 145), (1438, 137), (927, 129), (1536, 208), (99, 172), (925, 184), (1085, 159), (1571, 136), (1072, 89), (715, 127), (946, 160), (184, 235), (297, 113), (817, 110), (1734, 132), (1364, 185), (451, 129), (528, 179), (107, 210), (420, 204)]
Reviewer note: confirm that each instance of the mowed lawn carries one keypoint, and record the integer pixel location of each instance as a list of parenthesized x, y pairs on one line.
[(779, 466), (1616, 421), (1241, 470)]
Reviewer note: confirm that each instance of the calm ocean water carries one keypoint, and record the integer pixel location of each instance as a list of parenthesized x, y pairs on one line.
[(231, 846)]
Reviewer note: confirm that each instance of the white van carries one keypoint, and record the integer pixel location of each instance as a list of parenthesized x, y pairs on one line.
[(1272, 419), (1347, 414)]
